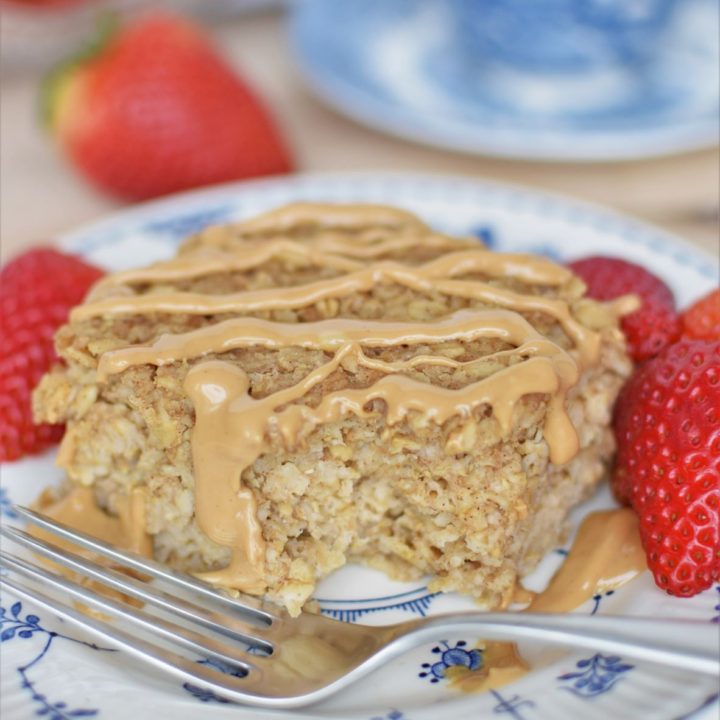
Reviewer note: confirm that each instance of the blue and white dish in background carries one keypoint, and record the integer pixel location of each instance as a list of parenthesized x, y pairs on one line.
[(54, 670), (561, 80)]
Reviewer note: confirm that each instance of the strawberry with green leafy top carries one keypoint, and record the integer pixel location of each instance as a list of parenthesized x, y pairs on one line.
[(153, 109)]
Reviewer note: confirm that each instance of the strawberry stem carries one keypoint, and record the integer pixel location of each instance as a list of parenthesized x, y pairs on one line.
[(107, 24)]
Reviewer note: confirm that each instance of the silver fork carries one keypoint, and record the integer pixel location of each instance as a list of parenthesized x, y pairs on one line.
[(261, 656)]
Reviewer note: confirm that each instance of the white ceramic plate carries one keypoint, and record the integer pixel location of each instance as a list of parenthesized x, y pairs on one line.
[(51, 669)]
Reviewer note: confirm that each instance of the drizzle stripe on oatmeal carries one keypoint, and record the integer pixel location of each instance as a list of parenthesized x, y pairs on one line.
[(327, 335), (309, 218), (207, 261), (435, 276)]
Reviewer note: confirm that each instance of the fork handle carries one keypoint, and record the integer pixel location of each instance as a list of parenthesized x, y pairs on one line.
[(689, 644)]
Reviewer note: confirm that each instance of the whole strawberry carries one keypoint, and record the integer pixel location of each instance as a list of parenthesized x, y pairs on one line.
[(702, 319), (154, 110), (37, 290), (667, 426), (655, 324)]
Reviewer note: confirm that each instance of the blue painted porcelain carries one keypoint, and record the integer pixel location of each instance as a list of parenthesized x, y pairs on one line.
[(494, 77), (562, 36), (511, 705), (449, 656), (416, 602), (595, 675), (391, 715), (6, 508), (15, 627)]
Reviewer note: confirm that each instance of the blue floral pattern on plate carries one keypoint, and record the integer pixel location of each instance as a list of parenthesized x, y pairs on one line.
[(598, 598), (205, 695), (511, 706), (489, 236), (391, 715), (455, 656), (179, 227), (15, 627), (595, 675), (416, 602), (6, 506)]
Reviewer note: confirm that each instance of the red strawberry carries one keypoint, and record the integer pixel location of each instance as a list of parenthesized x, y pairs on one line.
[(652, 327), (37, 290), (702, 320), (667, 426), (155, 110)]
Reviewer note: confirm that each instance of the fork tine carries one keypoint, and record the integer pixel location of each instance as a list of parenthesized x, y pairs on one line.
[(145, 592), (176, 634), (228, 685), (252, 607)]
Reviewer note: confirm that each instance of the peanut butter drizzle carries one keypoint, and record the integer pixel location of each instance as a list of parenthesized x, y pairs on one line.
[(353, 231), (624, 305), (606, 554), (79, 510), (321, 252), (502, 664), (521, 595), (312, 217), (587, 342), (388, 246), (208, 261), (425, 278), (331, 335)]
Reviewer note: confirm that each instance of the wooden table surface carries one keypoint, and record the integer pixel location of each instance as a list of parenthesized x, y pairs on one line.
[(41, 196)]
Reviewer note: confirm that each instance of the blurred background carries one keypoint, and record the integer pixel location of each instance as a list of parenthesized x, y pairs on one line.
[(613, 102)]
